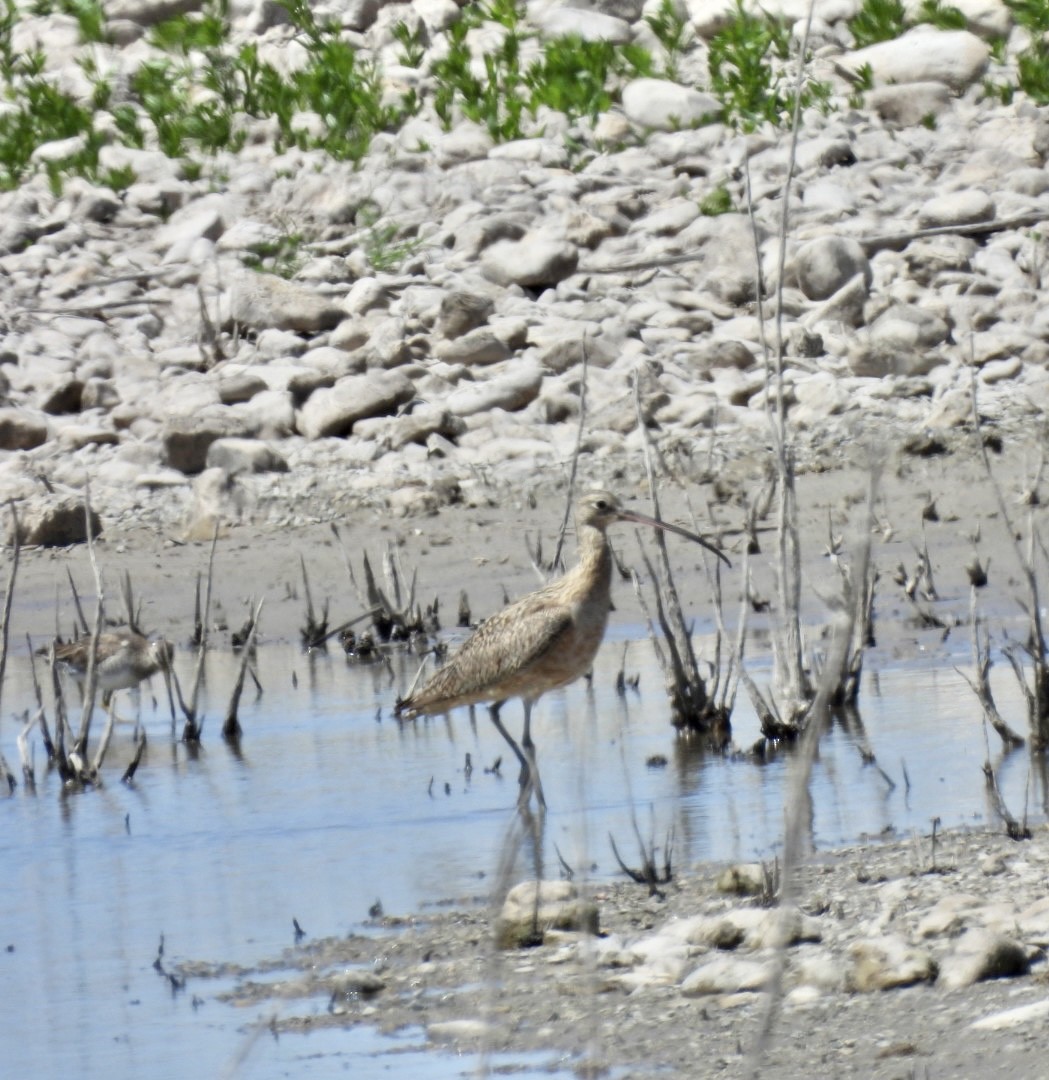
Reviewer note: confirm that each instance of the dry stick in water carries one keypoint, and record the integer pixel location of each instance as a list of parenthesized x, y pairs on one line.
[(688, 689), (558, 563), (980, 683), (1035, 646), (193, 728), (41, 716), (91, 675), (5, 624), (85, 627), (231, 728)]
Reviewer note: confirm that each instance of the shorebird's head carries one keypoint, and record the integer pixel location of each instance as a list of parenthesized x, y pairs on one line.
[(598, 509), (161, 653)]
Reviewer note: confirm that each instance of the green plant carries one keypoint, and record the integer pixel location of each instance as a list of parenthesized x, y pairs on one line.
[(90, 17), (382, 248), (1032, 15), (716, 202), (411, 41), (941, 15), (878, 20), (670, 30), (743, 75), (1032, 71), (864, 81), (572, 75)]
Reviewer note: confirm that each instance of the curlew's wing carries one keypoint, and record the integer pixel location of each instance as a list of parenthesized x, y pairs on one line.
[(509, 655)]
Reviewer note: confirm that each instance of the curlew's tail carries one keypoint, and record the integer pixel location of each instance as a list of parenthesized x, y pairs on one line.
[(403, 709)]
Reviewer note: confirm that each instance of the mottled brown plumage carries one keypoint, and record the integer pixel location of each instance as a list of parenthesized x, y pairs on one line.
[(122, 660), (545, 640)]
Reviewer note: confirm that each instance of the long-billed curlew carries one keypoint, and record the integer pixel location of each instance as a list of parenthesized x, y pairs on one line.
[(544, 640), (122, 660)]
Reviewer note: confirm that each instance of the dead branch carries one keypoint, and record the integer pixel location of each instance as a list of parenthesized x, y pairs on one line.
[(231, 729), (557, 563), (5, 622), (1037, 697), (91, 675), (980, 683)]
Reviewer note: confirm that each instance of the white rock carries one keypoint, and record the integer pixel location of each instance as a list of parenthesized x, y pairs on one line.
[(513, 389), (587, 25), (727, 975), (334, 411), (1009, 1018), (957, 208), (535, 261), (955, 58), (887, 962), (667, 106), (824, 265)]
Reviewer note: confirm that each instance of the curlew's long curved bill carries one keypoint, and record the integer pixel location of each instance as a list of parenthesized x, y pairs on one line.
[(655, 523)]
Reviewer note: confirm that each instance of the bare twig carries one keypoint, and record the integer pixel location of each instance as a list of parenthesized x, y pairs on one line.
[(231, 728), (557, 563)]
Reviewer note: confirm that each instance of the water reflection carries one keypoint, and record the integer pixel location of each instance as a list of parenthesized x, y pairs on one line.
[(330, 805)]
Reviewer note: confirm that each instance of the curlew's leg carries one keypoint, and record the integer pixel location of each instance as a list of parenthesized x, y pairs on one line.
[(529, 750), (493, 712)]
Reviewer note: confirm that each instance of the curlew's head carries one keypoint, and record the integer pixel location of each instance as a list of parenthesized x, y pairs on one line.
[(599, 509)]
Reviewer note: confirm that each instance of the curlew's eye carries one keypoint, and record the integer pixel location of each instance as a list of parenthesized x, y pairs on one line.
[(601, 504)]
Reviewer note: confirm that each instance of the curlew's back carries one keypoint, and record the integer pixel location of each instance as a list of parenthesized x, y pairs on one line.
[(544, 640)]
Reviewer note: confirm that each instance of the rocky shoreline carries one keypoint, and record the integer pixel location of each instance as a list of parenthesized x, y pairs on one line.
[(906, 958), (146, 352)]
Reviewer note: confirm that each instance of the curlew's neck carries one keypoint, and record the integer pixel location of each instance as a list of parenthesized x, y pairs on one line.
[(595, 560)]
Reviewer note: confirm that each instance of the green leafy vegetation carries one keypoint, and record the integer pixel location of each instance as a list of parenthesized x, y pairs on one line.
[(385, 247), (744, 74), (884, 20), (717, 202), (574, 76), (670, 30), (878, 20)]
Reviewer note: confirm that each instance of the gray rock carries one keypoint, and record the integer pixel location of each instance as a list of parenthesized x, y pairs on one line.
[(20, 430), (587, 25), (99, 394), (461, 312), (532, 908), (416, 427), (743, 879), (353, 398), (532, 262), (476, 348), (982, 954), (514, 388), (260, 301), (218, 501), (186, 439), (826, 264), (957, 208), (242, 386), (888, 962), (955, 58), (52, 521), (727, 975), (907, 328), (244, 456), (910, 105), (64, 398), (667, 106)]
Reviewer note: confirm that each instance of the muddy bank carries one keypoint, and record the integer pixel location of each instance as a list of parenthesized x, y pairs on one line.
[(621, 1005)]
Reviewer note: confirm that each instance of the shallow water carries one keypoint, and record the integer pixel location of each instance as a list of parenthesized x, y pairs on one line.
[(333, 806)]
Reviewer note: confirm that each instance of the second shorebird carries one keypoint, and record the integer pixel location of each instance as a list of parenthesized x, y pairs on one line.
[(122, 660), (545, 640)]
